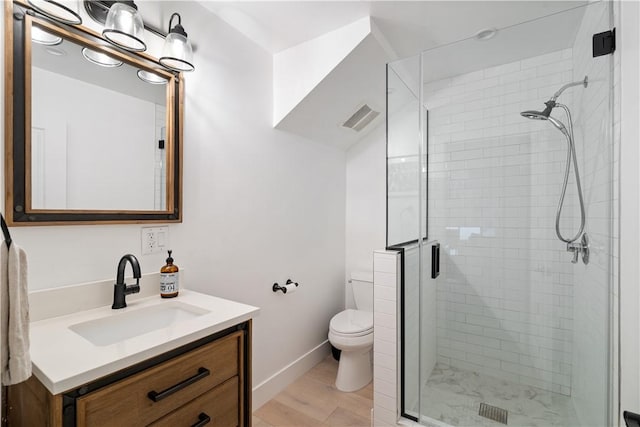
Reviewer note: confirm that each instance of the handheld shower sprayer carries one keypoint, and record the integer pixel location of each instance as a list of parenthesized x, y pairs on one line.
[(573, 245), (551, 104)]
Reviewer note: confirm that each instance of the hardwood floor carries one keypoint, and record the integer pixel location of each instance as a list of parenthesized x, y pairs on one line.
[(313, 400)]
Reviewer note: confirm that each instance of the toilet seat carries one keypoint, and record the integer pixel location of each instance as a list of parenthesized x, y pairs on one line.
[(352, 323)]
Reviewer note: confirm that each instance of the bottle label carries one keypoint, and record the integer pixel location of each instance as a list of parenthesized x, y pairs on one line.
[(168, 283)]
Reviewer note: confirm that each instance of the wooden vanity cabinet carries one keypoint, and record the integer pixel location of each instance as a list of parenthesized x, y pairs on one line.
[(206, 383)]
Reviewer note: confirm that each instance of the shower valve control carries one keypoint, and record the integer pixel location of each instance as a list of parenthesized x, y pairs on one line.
[(580, 248)]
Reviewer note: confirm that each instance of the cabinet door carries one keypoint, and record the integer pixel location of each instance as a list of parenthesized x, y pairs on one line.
[(144, 397), (216, 408), (30, 404)]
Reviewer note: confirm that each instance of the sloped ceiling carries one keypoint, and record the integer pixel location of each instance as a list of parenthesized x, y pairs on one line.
[(357, 79), (399, 29)]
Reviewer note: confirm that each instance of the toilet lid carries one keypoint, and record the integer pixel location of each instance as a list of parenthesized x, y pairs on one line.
[(352, 322)]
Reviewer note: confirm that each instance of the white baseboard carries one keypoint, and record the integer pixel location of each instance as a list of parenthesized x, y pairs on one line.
[(277, 382)]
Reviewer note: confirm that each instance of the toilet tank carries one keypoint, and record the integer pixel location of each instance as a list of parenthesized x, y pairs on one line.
[(362, 285)]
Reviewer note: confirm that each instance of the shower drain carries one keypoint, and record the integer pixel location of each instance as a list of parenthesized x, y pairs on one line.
[(493, 413)]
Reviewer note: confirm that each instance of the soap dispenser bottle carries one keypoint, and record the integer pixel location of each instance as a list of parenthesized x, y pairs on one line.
[(169, 279)]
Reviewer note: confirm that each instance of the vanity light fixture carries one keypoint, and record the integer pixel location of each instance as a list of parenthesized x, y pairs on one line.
[(40, 36), (100, 58), (57, 10), (177, 53), (124, 27), (150, 77)]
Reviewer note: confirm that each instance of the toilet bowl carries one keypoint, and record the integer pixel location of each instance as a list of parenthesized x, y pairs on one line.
[(351, 331)]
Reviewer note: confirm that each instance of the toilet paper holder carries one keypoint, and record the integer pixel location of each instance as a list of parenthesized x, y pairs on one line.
[(276, 287)]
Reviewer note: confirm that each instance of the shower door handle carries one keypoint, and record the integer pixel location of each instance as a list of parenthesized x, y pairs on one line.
[(435, 260)]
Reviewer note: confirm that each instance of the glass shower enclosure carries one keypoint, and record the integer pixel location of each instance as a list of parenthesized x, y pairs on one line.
[(505, 225)]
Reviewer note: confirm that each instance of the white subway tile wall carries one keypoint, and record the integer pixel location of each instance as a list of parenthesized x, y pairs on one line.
[(592, 283), (385, 338), (505, 293)]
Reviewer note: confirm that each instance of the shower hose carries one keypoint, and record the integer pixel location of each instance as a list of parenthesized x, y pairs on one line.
[(571, 156)]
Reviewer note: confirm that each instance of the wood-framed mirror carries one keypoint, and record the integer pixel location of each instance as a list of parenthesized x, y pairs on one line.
[(93, 133)]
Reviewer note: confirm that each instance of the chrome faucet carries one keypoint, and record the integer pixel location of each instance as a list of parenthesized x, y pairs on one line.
[(579, 248), (120, 289)]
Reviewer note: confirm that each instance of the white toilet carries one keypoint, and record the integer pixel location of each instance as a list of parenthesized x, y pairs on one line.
[(351, 331)]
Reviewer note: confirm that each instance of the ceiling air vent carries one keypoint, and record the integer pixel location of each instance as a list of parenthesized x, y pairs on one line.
[(361, 118)]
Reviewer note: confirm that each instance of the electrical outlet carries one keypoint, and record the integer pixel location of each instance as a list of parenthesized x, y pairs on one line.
[(154, 239)]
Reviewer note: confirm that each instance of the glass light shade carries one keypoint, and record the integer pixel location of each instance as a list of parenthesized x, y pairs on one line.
[(177, 53), (100, 58), (38, 35), (65, 11), (124, 28), (153, 78)]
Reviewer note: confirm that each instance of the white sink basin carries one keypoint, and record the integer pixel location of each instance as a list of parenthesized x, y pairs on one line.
[(128, 324)]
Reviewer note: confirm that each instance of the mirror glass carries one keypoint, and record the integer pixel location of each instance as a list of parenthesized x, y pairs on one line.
[(94, 133), (97, 129)]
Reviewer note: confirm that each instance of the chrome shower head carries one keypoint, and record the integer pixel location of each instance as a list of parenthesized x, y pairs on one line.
[(535, 115), (545, 115), (551, 104), (539, 115)]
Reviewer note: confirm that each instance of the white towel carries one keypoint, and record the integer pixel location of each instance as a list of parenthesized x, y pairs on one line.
[(14, 315)]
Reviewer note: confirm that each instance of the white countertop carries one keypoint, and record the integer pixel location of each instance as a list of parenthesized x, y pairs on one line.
[(63, 360)]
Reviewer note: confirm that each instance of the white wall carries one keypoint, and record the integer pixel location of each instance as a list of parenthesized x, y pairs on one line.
[(260, 206), (365, 202)]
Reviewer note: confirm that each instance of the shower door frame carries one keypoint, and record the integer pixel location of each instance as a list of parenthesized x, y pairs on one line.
[(423, 161)]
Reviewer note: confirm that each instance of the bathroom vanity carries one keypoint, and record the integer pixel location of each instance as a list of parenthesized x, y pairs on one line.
[(157, 362)]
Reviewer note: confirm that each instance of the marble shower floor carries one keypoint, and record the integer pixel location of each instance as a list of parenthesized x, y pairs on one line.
[(454, 395)]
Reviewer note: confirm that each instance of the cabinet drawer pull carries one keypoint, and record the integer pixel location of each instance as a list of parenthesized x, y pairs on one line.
[(155, 396), (203, 419)]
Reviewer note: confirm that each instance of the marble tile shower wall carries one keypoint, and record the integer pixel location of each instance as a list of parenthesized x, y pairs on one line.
[(593, 127), (505, 305)]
